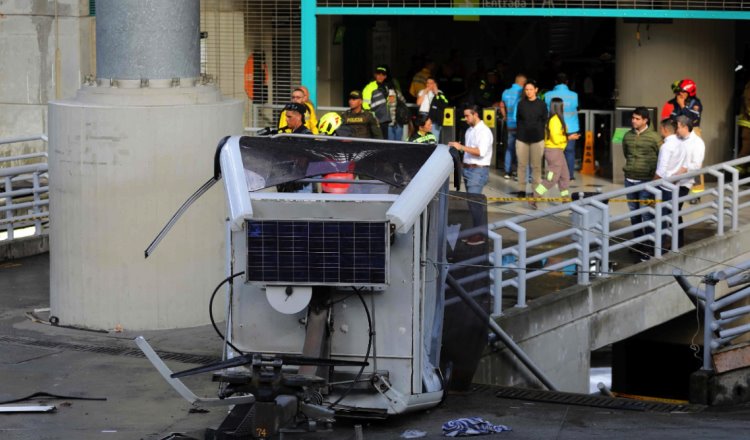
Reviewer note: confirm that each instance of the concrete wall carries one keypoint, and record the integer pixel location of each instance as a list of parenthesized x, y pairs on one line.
[(702, 50), (330, 62), (32, 39), (559, 331)]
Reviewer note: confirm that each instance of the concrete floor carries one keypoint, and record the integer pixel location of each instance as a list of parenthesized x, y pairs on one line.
[(140, 405)]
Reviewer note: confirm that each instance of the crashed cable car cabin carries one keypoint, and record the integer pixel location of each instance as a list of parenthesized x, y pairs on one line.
[(340, 308)]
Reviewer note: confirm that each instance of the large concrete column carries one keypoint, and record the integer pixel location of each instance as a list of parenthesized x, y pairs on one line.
[(702, 50), (125, 152)]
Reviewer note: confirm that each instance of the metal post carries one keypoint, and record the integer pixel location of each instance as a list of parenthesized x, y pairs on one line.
[(583, 252), (228, 352), (720, 202), (37, 207), (604, 228), (521, 270), (309, 38), (708, 318), (735, 198), (8, 203), (497, 273)]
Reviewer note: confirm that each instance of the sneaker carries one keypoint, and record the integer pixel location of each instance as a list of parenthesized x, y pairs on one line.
[(644, 257), (475, 240), (506, 176), (695, 201)]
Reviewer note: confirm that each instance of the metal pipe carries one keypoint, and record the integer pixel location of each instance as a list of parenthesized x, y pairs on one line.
[(720, 183), (708, 317), (734, 331), (507, 340), (739, 311), (731, 298), (734, 275), (13, 140), (604, 242), (583, 251), (691, 291), (497, 273)]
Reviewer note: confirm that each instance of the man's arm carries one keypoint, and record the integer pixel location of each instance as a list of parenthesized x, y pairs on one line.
[(484, 143), (374, 126)]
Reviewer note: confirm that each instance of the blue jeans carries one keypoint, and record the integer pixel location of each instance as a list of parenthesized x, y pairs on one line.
[(510, 152), (634, 204), (476, 178), (395, 132), (570, 156)]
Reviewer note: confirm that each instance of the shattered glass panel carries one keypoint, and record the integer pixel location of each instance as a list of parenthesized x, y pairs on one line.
[(270, 161)]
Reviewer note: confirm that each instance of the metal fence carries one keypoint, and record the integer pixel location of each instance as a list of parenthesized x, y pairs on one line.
[(24, 193), (721, 324), (592, 233)]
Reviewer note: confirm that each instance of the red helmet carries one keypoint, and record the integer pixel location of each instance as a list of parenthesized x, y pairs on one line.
[(689, 86)]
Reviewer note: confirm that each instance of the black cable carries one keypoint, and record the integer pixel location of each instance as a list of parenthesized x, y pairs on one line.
[(211, 311), (367, 353), (45, 395)]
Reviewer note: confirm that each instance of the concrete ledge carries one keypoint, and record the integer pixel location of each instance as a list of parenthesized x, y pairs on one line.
[(24, 247), (558, 331)]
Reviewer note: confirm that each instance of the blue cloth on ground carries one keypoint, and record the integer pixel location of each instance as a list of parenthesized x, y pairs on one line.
[(471, 426)]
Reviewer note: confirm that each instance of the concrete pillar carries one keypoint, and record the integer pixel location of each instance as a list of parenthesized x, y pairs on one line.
[(124, 154), (682, 49), (44, 47)]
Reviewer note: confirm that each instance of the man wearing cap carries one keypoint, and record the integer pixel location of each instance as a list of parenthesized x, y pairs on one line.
[(361, 123), (295, 118), (382, 96)]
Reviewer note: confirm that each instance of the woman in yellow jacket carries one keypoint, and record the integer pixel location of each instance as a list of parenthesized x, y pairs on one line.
[(555, 139)]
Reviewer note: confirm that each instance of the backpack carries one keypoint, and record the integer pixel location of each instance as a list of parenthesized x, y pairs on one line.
[(437, 108)]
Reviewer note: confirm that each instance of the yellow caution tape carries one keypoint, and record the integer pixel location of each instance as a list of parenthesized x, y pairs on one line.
[(564, 200)]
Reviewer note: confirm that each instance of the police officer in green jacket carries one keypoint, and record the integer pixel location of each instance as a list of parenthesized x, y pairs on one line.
[(423, 135)]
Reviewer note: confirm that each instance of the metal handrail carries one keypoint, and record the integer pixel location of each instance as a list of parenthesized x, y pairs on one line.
[(591, 219), (28, 205)]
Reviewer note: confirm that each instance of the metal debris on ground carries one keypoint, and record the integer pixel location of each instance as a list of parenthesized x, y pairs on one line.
[(27, 409)]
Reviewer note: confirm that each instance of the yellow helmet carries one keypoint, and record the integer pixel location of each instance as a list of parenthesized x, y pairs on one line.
[(329, 123)]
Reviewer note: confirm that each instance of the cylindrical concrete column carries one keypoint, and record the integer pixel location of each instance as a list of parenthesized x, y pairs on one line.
[(122, 161), (147, 39), (669, 52)]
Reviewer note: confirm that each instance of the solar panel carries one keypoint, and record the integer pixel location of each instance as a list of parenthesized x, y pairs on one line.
[(317, 252)]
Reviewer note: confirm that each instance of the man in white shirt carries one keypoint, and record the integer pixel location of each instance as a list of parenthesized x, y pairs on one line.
[(477, 159), (672, 157), (695, 151), (696, 148), (477, 149)]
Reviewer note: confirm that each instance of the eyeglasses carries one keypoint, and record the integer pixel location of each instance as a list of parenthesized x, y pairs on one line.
[(297, 97)]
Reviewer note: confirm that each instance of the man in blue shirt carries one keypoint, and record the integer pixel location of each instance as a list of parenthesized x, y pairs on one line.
[(508, 106), (570, 109)]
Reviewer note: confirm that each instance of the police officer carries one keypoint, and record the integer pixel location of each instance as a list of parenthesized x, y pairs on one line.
[(361, 123), (423, 135)]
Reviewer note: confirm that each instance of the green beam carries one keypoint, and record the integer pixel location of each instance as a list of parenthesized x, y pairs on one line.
[(535, 12), (309, 43)]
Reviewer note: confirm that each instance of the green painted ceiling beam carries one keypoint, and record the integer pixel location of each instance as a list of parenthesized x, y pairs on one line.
[(535, 12)]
